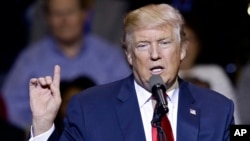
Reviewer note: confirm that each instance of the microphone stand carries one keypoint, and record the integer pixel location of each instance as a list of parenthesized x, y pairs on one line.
[(160, 111)]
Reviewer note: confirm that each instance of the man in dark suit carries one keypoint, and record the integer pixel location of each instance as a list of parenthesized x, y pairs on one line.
[(123, 110)]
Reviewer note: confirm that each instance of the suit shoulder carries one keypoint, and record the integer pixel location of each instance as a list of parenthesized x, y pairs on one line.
[(100, 92)]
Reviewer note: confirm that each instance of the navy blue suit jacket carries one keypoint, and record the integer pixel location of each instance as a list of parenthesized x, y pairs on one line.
[(111, 112)]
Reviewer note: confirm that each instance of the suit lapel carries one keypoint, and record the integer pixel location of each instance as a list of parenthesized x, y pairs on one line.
[(128, 112), (188, 115)]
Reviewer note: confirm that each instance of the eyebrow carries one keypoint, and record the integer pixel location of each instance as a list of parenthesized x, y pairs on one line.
[(164, 38), (142, 41)]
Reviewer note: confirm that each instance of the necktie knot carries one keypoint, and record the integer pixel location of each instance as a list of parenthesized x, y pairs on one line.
[(160, 108)]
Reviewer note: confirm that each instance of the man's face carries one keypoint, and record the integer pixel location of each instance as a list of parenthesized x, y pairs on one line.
[(155, 51), (66, 19)]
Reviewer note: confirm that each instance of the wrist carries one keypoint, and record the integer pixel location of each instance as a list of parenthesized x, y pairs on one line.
[(41, 125)]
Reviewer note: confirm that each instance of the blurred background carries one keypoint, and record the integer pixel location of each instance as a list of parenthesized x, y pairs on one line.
[(224, 27)]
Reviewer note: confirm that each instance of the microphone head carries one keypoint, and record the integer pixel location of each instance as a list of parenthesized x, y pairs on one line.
[(155, 80)]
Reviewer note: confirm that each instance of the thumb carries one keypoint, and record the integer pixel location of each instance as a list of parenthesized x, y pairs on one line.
[(56, 79)]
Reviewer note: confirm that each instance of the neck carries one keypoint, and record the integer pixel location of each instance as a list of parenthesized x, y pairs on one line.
[(173, 86), (70, 49)]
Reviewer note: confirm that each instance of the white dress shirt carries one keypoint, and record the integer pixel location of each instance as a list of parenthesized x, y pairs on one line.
[(147, 108)]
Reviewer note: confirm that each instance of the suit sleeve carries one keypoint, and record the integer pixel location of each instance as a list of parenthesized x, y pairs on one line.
[(73, 122), (230, 121)]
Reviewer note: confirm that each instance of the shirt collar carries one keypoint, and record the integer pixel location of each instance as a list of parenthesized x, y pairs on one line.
[(172, 90), (144, 96)]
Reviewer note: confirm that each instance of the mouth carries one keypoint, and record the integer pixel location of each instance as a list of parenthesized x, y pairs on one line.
[(156, 70)]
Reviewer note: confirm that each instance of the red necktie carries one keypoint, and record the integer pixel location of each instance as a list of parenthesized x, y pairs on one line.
[(166, 126)]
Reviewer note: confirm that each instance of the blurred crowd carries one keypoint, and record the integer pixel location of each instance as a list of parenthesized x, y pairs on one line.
[(84, 38)]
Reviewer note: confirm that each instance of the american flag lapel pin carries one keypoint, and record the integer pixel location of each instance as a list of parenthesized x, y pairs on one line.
[(192, 111)]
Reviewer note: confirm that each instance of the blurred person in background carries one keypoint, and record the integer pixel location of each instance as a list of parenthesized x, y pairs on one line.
[(77, 52), (243, 94), (211, 76), (101, 19)]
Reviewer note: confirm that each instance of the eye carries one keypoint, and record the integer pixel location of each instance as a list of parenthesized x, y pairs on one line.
[(164, 43), (142, 46)]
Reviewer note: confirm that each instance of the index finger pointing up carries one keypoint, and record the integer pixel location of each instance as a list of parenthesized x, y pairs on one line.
[(56, 79)]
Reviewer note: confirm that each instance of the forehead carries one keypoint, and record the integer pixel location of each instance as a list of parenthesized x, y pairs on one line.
[(155, 33), (62, 4)]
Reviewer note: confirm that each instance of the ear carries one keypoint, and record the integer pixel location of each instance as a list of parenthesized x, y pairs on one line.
[(129, 56), (184, 48)]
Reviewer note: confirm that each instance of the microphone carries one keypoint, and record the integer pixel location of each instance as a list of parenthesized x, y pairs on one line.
[(158, 90)]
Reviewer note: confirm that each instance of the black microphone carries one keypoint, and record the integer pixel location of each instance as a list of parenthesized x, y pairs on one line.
[(158, 90)]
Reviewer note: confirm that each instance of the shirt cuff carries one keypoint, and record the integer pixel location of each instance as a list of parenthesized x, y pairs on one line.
[(42, 137)]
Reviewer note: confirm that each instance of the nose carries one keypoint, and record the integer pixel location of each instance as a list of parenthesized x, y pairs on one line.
[(155, 53)]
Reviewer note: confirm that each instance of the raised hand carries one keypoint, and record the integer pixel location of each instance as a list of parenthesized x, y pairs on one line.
[(45, 100)]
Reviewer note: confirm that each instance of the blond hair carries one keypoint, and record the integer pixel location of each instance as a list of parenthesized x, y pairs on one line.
[(150, 16)]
